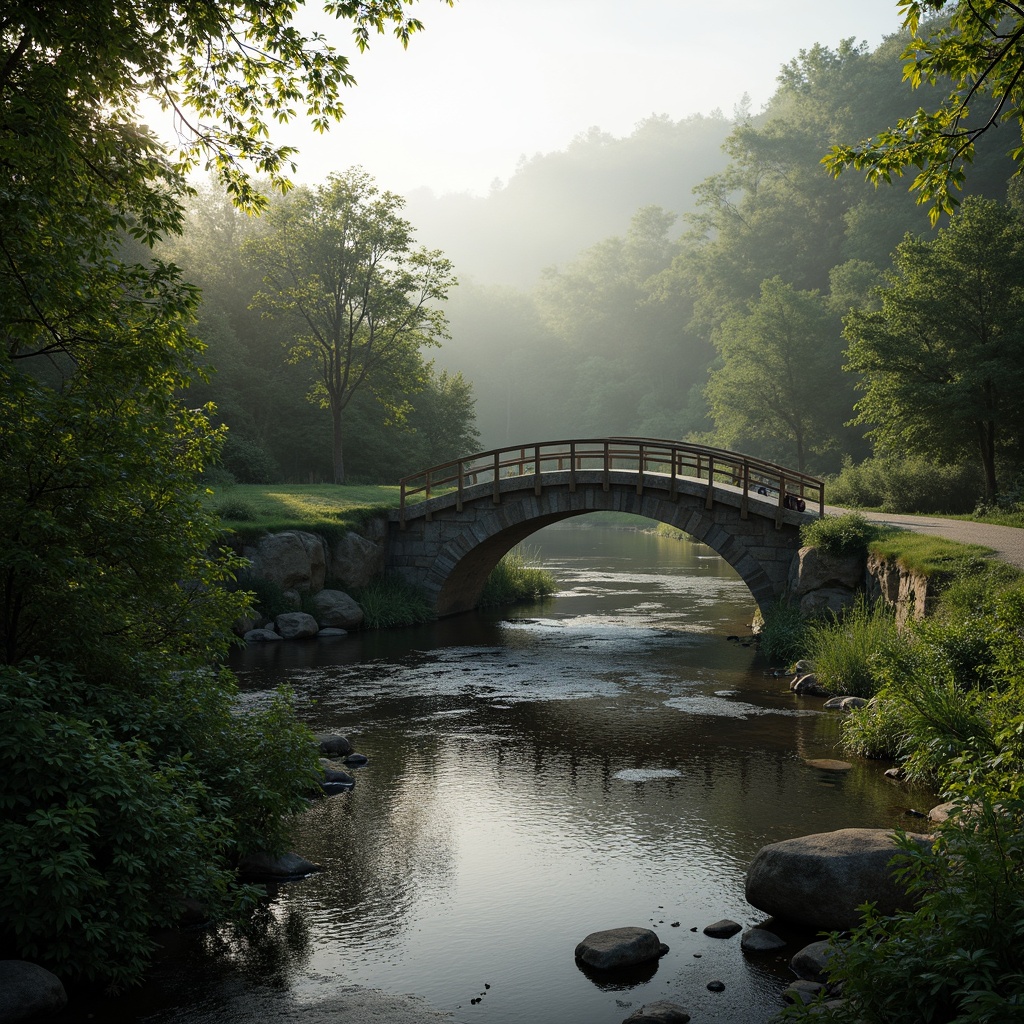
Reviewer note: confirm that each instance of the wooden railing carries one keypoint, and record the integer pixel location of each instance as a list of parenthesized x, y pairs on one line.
[(667, 461)]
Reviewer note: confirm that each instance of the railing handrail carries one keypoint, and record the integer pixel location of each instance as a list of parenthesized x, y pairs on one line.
[(745, 469)]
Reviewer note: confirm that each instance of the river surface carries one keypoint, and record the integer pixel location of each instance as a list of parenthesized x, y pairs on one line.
[(610, 756)]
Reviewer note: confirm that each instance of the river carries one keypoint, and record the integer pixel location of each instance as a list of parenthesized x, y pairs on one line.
[(610, 756)]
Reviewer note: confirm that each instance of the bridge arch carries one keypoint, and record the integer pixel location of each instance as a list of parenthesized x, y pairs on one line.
[(448, 543)]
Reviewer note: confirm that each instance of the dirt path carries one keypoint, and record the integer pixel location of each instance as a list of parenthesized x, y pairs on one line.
[(1007, 542)]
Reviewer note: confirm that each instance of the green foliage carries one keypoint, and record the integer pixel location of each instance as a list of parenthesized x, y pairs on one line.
[(388, 601), (783, 634), (846, 652), (777, 381), (119, 802), (847, 534), (974, 49), (904, 484), (130, 779), (514, 579), (247, 460), (953, 684), (940, 363), (339, 268)]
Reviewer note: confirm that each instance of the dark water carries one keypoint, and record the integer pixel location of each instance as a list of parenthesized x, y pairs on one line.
[(607, 757)]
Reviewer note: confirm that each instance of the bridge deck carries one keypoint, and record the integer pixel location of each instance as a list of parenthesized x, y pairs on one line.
[(649, 463)]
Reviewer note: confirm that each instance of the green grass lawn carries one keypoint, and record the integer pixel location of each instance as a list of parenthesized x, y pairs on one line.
[(927, 555), (252, 509)]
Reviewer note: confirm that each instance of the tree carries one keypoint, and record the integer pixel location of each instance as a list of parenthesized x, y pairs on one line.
[(777, 383), (112, 606), (942, 362), (338, 263), (977, 50)]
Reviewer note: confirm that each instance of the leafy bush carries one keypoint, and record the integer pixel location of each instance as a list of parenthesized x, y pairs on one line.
[(906, 485), (236, 510), (247, 460), (847, 651), (848, 534), (513, 579), (783, 633), (389, 601), (121, 802)]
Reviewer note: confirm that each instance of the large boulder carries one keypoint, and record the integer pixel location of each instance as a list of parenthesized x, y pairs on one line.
[(28, 992), (355, 560), (334, 608), (616, 948), (295, 625), (813, 569), (819, 881), (293, 560)]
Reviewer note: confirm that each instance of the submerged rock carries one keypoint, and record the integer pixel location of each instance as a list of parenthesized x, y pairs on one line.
[(661, 1012)]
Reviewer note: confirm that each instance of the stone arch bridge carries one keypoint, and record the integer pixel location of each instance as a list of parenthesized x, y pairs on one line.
[(456, 521)]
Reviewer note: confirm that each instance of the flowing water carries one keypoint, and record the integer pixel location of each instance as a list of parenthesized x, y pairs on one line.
[(610, 756)]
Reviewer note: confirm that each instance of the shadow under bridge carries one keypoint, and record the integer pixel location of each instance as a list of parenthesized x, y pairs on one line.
[(456, 520)]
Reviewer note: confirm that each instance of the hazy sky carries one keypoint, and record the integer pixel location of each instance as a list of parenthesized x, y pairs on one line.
[(490, 81)]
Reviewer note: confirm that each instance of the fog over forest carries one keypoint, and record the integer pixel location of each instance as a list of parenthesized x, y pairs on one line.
[(611, 287)]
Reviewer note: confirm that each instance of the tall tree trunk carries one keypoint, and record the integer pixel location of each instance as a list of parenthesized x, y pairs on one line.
[(338, 454)]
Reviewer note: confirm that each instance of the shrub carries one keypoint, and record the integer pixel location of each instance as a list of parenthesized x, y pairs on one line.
[(895, 484), (513, 579), (848, 534), (247, 460), (120, 802), (236, 510), (847, 651)]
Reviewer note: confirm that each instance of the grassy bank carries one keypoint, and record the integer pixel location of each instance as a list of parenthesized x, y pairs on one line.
[(946, 704), (249, 510)]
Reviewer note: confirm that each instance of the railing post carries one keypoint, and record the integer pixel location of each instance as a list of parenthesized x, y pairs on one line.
[(607, 481), (401, 510), (781, 507), (640, 470), (709, 500), (673, 487), (572, 467), (536, 470), (496, 491), (745, 500)]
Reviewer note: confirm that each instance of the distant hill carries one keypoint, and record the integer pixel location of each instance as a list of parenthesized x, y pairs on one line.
[(558, 204)]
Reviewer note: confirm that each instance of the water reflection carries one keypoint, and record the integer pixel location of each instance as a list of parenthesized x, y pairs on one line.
[(605, 758)]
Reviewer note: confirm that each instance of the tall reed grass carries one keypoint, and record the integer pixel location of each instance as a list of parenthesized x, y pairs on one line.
[(515, 579)]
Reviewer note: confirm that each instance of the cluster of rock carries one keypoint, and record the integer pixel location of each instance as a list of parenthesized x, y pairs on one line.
[(335, 613), (300, 563), (820, 583), (813, 884)]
